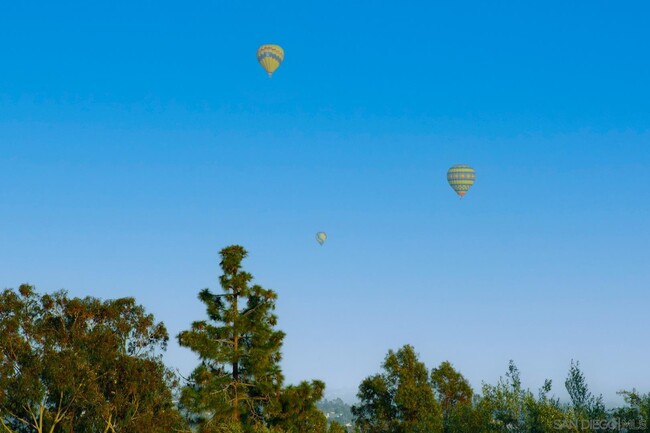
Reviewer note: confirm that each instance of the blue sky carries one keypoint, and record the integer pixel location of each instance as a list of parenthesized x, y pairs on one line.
[(139, 138)]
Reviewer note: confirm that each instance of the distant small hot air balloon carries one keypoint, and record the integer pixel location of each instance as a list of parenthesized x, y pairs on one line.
[(461, 178), (320, 237), (270, 57)]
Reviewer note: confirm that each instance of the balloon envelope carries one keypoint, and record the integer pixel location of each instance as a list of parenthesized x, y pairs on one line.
[(270, 56), (461, 177), (320, 237)]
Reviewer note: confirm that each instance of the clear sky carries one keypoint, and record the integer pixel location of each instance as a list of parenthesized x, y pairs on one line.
[(137, 139)]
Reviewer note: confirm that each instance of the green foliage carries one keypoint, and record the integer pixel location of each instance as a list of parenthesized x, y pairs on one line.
[(584, 403), (376, 413), (455, 396), (510, 408), (506, 407), (82, 364), (544, 414), (298, 412), (471, 418), (637, 414), (506, 401), (238, 385), (335, 427), (400, 399), (239, 349)]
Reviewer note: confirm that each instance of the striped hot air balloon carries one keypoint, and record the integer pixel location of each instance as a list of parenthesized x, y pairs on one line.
[(270, 57), (461, 178)]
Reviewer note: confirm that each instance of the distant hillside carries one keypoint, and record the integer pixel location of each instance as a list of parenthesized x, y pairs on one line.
[(336, 410)]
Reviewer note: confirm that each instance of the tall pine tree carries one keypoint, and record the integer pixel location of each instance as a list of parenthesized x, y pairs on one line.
[(239, 379)]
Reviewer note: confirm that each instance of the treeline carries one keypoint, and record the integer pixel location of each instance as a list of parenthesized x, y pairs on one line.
[(407, 397), (70, 365)]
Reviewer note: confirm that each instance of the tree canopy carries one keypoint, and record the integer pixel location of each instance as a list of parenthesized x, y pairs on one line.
[(85, 365), (400, 399), (239, 380), (82, 365)]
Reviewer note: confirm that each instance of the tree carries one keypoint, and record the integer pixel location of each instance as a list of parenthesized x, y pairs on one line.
[(400, 400), (454, 394), (376, 412), (506, 401), (336, 428), (472, 418), (81, 365), (583, 402), (298, 412), (239, 379), (636, 415), (544, 414), (511, 408)]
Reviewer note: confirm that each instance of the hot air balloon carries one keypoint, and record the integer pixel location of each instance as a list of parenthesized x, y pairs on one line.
[(461, 178), (270, 57), (320, 237)]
